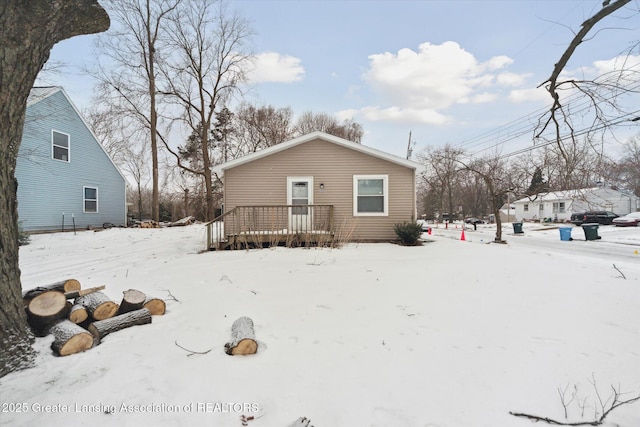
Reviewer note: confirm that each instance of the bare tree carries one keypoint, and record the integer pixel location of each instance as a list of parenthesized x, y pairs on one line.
[(40, 24), (256, 128), (629, 166), (128, 74), (442, 169), (602, 111), (494, 171), (206, 69), (323, 122)]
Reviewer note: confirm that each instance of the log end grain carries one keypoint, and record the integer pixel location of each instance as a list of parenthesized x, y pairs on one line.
[(47, 304), (156, 306), (71, 285), (77, 344), (69, 338), (244, 347), (78, 314), (105, 310)]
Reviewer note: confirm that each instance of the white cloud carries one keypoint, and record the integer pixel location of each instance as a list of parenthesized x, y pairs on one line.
[(420, 85), (404, 115), (519, 96), (483, 98), (604, 66), (274, 67), (511, 79)]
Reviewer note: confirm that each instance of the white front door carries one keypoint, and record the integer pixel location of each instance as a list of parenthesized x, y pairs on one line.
[(299, 192)]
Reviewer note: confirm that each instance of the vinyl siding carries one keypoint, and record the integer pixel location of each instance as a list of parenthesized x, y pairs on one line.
[(49, 188), (264, 182)]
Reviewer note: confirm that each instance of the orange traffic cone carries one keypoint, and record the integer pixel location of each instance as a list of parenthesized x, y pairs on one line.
[(462, 235)]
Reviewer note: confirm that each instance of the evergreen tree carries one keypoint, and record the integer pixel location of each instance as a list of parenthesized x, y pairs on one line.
[(538, 185)]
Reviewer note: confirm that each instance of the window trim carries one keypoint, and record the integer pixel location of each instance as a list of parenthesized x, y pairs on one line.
[(68, 148), (85, 200), (385, 195)]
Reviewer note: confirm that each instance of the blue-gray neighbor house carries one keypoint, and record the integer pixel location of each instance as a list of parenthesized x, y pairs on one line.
[(64, 174)]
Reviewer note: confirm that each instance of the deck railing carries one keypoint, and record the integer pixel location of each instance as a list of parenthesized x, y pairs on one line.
[(271, 225)]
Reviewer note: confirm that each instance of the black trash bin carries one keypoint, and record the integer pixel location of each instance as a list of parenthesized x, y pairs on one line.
[(590, 231), (517, 228)]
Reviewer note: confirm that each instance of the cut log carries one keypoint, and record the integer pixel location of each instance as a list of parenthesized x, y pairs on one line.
[(82, 292), (69, 338), (78, 314), (68, 285), (243, 338), (102, 328), (156, 306), (131, 300), (98, 305), (47, 308)]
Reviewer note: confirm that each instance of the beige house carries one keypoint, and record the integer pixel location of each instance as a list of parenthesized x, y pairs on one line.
[(316, 185)]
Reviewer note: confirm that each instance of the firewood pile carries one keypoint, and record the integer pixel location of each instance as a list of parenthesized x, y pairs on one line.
[(80, 318)]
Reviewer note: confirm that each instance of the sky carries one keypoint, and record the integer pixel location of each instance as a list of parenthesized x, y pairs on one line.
[(448, 72)]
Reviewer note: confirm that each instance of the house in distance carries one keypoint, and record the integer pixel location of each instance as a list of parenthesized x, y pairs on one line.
[(65, 176)]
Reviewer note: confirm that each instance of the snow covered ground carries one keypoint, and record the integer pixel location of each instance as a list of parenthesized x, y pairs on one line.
[(452, 333)]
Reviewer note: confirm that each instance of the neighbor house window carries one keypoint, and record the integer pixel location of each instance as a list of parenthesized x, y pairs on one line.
[(541, 208), (60, 145), (370, 195), (90, 200), (526, 207), (558, 207)]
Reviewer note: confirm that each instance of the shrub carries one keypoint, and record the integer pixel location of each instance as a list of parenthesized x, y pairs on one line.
[(23, 237), (408, 232)]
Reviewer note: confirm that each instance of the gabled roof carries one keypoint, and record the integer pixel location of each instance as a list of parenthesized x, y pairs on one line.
[(311, 137), (567, 194), (38, 94)]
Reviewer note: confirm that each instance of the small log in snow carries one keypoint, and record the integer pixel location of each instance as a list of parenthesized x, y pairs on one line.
[(69, 338), (78, 314), (131, 300), (243, 338), (156, 306), (102, 328), (98, 305)]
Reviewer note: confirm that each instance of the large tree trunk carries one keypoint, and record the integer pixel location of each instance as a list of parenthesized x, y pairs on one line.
[(28, 31)]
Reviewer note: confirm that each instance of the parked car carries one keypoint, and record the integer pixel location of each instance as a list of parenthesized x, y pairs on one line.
[(425, 226), (474, 221), (599, 217), (629, 220)]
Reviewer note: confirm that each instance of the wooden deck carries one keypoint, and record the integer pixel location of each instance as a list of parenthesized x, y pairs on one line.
[(266, 226)]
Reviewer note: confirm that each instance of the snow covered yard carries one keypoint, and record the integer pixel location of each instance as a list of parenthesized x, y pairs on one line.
[(450, 333)]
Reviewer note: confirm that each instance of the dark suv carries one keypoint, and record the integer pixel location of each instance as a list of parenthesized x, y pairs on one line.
[(599, 217)]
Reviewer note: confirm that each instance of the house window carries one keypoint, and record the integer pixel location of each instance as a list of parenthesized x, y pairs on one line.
[(371, 195), (90, 200), (541, 208), (526, 207), (558, 207), (60, 145)]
